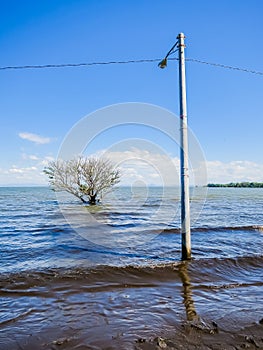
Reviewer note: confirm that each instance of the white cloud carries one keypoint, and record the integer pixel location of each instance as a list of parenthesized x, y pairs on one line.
[(16, 175), (158, 168), (17, 170), (34, 138), (29, 172), (234, 171), (143, 167), (46, 160), (29, 156), (140, 165), (33, 157)]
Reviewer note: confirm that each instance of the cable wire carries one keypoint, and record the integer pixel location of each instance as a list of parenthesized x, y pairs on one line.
[(85, 64), (224, 66), (63, 65)]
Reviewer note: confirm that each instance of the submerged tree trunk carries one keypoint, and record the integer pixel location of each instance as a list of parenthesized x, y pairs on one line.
[(92, 199)]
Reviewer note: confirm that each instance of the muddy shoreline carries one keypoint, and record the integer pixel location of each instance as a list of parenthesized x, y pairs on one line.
[(212, 336), (190, 335)]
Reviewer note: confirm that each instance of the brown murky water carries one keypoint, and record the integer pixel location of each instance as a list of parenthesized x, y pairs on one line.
[(108, 307)]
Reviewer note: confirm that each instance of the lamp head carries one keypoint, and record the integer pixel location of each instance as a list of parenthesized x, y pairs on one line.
[(163, 63)]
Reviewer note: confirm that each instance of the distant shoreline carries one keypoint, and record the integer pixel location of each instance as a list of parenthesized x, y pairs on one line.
[(239, 185)]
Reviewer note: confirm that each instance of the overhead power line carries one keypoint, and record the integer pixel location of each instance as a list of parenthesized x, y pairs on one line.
[(63, 65), (86, 64), (224, 66)]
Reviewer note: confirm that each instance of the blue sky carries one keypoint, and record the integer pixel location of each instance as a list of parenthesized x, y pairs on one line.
[(39, 107)]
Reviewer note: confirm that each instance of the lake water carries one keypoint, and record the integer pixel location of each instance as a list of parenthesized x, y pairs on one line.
[(111, 273)]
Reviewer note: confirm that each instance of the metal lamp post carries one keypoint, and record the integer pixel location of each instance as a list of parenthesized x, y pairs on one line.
[(184, 168)]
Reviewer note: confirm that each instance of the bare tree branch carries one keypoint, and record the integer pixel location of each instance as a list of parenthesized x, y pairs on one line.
[(85, 178)]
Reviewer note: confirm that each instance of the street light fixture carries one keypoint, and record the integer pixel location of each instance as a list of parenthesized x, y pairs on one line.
[(163, 63)]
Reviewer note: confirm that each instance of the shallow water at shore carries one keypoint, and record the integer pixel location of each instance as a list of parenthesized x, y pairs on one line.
[(60, 290), (109, 305)]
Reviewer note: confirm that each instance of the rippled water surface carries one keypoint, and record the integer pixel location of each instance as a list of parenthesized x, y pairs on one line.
[(112, 272)]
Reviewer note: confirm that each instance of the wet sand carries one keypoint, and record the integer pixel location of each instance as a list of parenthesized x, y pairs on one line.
[(206, 337), (201, 335)]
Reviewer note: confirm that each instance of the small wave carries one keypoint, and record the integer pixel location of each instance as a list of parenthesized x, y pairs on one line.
[(98, 273), (16, 317), (209, 271), (230, 285), (218, 229)]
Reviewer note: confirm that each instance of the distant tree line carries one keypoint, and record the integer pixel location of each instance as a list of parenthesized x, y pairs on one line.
[(239, 184)]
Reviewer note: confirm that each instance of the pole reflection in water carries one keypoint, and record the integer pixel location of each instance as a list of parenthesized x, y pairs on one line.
[(194, 319), (187, 292)]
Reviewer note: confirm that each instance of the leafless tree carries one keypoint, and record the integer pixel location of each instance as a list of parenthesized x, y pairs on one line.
[(85, 178)]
